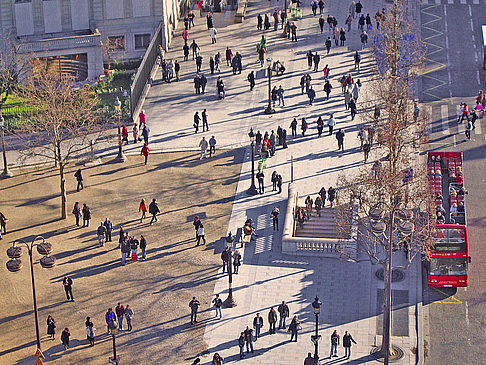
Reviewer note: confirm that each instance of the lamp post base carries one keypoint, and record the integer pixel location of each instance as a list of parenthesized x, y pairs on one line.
[(6, 174), (230, 302), (269, 110), (120, 158), (252, 190)]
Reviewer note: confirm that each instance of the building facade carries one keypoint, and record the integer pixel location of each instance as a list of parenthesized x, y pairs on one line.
[(77, 36)]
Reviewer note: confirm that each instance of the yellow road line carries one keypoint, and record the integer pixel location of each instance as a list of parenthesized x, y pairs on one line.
[(453, 301)]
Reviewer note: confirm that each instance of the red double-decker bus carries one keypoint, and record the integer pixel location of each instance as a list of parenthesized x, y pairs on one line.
[(449, 248), (449, 256)]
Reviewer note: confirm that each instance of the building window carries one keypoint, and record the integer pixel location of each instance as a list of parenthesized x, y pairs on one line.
[(142, 41), (22, 1), (117, 43)]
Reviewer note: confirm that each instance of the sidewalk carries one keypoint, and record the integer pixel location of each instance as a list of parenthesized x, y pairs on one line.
[(350, 292)]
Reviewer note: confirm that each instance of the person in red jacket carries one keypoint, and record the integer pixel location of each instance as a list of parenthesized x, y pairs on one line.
[(145, 152), (124, 133)]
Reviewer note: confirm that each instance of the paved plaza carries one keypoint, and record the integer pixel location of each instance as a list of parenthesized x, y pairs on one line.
[(350, 292)]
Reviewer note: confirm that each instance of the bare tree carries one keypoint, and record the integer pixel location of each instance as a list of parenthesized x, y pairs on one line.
[(63, 121), (393, 197)]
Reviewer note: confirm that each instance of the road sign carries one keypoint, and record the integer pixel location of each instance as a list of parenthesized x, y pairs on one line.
[(39, 354), (39, 362)]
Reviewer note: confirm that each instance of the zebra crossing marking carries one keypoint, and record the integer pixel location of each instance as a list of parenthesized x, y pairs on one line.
[(444, 118)]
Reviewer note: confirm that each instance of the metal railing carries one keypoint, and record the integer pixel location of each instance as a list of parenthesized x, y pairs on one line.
[(145, 69)]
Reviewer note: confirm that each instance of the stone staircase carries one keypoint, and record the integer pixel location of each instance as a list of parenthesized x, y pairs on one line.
[(324, 226)]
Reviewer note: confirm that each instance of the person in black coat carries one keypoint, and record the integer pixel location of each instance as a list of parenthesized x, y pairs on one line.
[(154, 210), (65, 338), (51, 326), (79, 179), (347, 339)]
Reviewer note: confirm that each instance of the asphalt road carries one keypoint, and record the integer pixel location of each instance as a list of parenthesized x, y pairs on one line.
[(455, 324)]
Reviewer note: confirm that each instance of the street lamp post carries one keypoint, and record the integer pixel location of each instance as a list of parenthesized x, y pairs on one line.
[(113, 330), (252, 190), (6, 173), (316, 304), (269, 109), (230, 301), (378, 227), (284, 25), (15, 264), (121, 157)]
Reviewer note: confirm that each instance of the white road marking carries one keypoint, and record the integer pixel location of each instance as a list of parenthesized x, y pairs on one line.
[(445, 16), (478, 130), (437, 2), (476, 2), (474, 40), (463, 1), (467, 312), (450, 1), (470, 10), (447, 45), (476, 58), (472, 25), (444, 116), (454, 140), (478, 77), (428, 112)]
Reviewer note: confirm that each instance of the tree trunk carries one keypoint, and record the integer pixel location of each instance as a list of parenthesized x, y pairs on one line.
[(63, 192)]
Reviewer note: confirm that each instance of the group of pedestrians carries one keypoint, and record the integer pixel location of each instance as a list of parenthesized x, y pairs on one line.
[(129, 245)]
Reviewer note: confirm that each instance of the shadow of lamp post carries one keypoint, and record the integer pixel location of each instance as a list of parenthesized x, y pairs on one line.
[(15, 264)]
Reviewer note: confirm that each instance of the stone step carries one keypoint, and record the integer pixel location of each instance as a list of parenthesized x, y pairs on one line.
[(317, 234)]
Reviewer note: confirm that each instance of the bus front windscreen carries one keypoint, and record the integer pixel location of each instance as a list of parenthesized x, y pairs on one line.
[(449, 240), (448, 266)]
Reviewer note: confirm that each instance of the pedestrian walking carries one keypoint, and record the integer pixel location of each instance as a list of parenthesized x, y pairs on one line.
[(357, 60), (76, 212), (347, 339), (194, 305), (135, 133), (197, 119), (211, 65), (145, 134), (225, 256), (90, 331), (86, 215), (322, 194), (293, 127), (321, 24), (109, 318), (331, 123), (464, 113), (154, 210), (204, 116), (51, 327), (133, 248), (65, 338), (260, 178), (336, 36), (294, 328), (185, 50), (364, 41), (143, 247), (331, 195), (310, 57), (352, 108), (67, 283), (259, 22), (320, 126), (280, 94), (340, 139), (257, 325), (275, 20), (218, 303), (229, 56), (314, 7), (279, 184), (200, 234), (334, 344), (272, 320), (143, 209), (212, 146), (120, 313), (326, 72), (293, 31), (342, 36), (249, 339), (128, 317), (468, 130), (203, 145), (328, 44), (316, 59), (284, 311), (236, 262), (311, 94), (348, 22), (79, 178), (366, 150), (363, 136), (145, 151), (274, 214), (125, 249), (251, 79), (199, 60), (327, 89), (241, 344), (124, 133)]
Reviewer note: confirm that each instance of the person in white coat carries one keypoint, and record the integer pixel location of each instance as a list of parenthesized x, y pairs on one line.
[(213, 33)]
